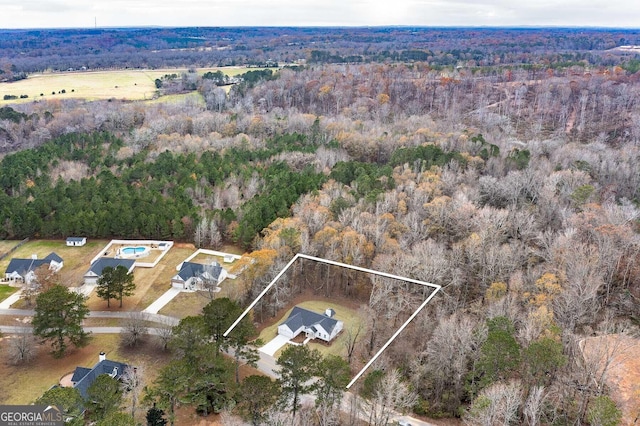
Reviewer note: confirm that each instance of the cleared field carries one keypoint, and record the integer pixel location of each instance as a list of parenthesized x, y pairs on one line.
[(93, 85), (349, 316), (193, 98)]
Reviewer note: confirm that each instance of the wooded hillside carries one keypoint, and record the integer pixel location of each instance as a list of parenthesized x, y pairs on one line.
[(516, 189)]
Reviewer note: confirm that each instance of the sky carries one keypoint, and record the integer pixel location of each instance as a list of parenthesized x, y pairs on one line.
[(110, 13)]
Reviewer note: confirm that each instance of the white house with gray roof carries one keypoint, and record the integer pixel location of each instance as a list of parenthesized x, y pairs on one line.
[(192, 275), (314, 325), (24, 270), (92, 275)]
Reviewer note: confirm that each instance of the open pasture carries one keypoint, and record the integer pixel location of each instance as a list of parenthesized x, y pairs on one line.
[(94, 85)]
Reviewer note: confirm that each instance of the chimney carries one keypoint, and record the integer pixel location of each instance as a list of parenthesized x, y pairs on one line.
[(329, 312), (34, 256), (102, 357)]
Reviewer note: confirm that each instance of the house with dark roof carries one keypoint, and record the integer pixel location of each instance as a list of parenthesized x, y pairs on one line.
[(23, 270), (76, 241), (314, 325), (83, 377), (192, 275), (92, 275)]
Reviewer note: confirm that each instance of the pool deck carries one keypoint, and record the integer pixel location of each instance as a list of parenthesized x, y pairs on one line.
[(157, 248)]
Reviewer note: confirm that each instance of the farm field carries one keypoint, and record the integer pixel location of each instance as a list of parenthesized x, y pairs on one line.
[(95, 85), (349, 316)]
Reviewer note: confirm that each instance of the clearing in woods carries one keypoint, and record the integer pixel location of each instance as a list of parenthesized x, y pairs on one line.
[(95, 85)]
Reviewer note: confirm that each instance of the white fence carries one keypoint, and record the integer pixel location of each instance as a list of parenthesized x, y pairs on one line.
[(164, 246)]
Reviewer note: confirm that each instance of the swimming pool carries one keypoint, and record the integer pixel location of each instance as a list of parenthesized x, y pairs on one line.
[(133, 252)]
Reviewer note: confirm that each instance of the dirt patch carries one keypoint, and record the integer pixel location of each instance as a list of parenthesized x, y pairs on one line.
[(622, 355), (66, 382), (185, 245)]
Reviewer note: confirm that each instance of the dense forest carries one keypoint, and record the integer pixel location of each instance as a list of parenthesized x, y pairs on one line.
[(25, 51), (515, 188)]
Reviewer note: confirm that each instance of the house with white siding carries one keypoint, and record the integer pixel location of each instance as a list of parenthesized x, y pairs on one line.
[(24, 270), (95, 272), (192, 275), (315, 326)]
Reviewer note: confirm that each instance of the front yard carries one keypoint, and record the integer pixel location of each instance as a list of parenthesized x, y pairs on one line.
[(76, 259), (6, 291), (23, 384), (347, 315)]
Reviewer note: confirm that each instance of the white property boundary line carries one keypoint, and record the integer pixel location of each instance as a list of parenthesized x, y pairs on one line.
[(209, 252), (357, 268)]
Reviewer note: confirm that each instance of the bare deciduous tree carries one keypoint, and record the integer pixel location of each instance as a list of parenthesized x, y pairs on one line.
[(164, 334), (352, 337), (391, 394), (133, 384), (22, 347), (135, 329), (496, 405), (534, 405)]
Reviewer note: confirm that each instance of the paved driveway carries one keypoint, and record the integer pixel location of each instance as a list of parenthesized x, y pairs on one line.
[(162, 300), (6, 303), (275, 344)]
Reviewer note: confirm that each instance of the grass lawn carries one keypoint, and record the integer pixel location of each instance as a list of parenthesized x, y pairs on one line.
[(6, 291), (349, 316), (16, 320), (5, 245), (193, 98), (151, 283), (93, 85), (186, 304), (159, 278), (23, 384)]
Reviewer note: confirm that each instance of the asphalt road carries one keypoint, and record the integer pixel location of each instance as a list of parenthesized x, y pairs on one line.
[(162, 319)]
